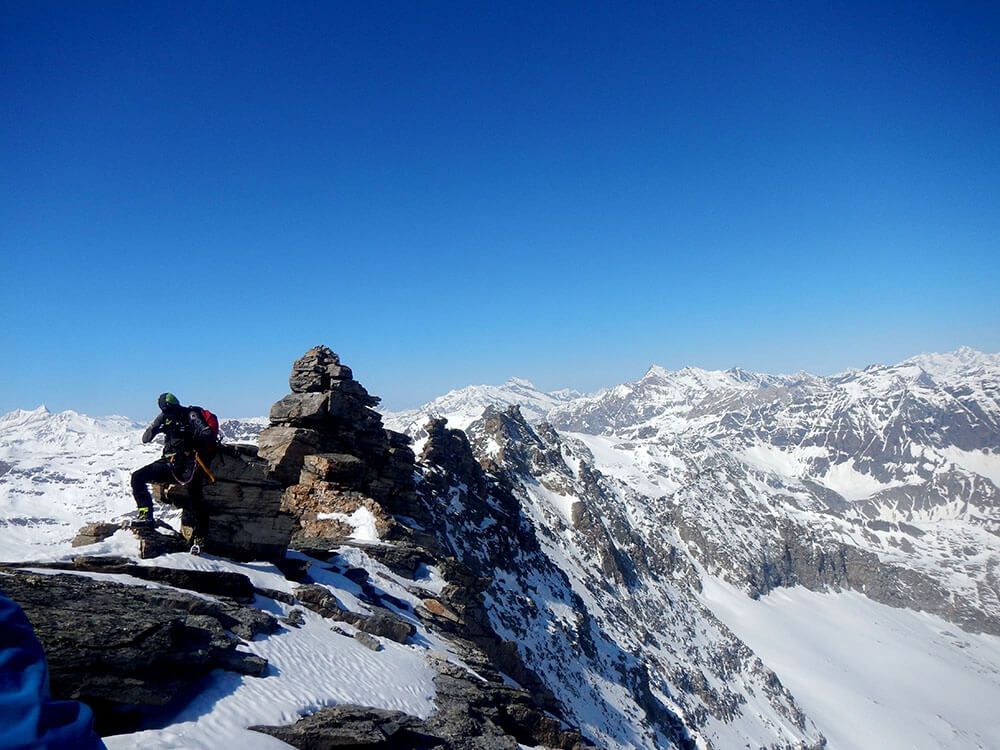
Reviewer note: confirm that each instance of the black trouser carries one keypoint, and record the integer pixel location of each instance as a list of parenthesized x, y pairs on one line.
[(162, 471)]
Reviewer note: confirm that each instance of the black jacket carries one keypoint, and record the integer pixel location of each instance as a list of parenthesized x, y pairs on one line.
[(175, 424)]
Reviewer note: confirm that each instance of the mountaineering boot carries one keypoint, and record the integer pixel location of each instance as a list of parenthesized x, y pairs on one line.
[(196, 543), (144, 517)]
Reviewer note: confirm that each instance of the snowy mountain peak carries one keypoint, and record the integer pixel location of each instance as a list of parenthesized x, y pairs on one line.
[(655, 372), (761, 380), (24, 416), (878, 380), (565, 394), (463, 406), (626, 528), (515, 382), (738, 373), (963, 361), (700, 379)]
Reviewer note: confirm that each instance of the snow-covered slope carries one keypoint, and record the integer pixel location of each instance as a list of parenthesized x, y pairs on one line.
[(888, 461), (843, 655), (639, 560), (881, 480), (637, 589), (312, 665), (59, 470)]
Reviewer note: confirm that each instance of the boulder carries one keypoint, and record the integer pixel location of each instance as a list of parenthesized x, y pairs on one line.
[(381, 622), (278, 596), (321, 601), (308, 502), (432, 609), (332, 467), (386, 625), (295, 619), (162, 540), (368, 641), (402, 559), (93, 533), (234, 586), (301, 409), (285, 447), (354, 727)]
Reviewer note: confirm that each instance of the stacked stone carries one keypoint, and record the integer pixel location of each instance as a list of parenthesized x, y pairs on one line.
[(246, 521), (328, 446)]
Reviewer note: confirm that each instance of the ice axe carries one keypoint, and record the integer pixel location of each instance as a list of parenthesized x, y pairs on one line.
[(211, 476)]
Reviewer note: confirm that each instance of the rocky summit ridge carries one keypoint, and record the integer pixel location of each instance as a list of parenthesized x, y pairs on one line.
[(375, 579), (540, 576)]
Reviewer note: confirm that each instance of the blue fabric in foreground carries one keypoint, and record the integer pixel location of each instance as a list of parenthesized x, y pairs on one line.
[(29, 718)]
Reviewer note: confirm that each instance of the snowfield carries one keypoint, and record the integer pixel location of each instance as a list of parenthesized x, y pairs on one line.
[(872, 676)]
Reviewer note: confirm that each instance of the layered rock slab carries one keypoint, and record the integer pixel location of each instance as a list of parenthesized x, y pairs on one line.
[(246, 521), (122, 648)]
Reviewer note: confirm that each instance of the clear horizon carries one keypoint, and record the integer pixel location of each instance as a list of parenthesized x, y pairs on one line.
[(456, 194), (384, 407)]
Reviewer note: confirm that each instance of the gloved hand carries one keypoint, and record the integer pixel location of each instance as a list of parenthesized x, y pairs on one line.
[(153, 429)]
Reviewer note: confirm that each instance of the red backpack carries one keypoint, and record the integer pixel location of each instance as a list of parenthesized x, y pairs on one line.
[(204, 428)]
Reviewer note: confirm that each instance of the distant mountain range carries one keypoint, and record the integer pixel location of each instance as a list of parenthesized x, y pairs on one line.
[(882, 432), (883, 481)]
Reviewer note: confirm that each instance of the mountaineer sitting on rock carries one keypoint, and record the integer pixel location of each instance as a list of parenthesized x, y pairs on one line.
[(190, 433)]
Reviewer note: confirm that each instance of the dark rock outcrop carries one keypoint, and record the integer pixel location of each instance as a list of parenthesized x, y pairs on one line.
[(93, 533), (822, 565), (153, 541), (123, 648), (479, 517), (354, 727), (234, 586), (380, 623)]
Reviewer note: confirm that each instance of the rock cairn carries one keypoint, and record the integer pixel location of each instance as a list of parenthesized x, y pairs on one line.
[(327, 445)]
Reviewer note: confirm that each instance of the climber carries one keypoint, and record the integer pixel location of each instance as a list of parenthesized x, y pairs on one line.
[(184, 431)]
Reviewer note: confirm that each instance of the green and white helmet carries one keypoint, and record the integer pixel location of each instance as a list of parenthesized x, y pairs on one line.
[(167, 399)]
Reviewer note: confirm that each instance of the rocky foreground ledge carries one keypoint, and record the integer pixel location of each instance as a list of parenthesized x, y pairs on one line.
[(125, 650), (131, 651)]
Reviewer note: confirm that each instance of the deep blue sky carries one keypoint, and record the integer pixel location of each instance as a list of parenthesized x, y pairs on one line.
[(195, 193)]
